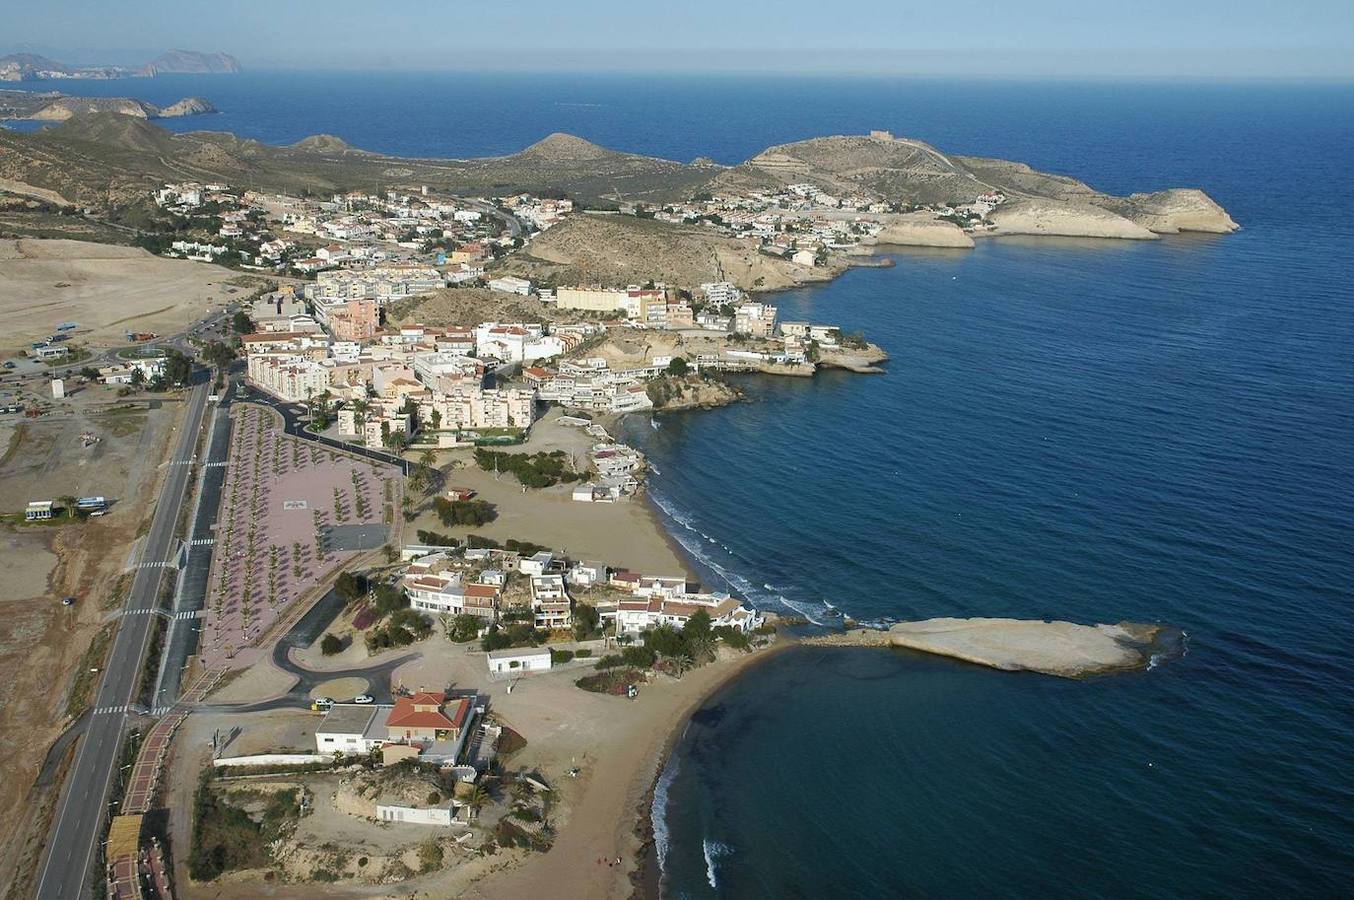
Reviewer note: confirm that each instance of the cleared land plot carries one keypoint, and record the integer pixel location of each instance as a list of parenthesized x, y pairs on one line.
[(108, 290), (43, 643)]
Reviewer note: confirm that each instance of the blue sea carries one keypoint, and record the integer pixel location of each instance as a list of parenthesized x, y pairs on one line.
[(1088, 430)]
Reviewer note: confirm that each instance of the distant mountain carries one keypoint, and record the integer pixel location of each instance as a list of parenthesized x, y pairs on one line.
[(32, 67), (190, 62)]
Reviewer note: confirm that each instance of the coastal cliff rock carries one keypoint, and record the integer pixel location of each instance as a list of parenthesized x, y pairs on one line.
[(188, 106), (1065, 649), (923, 230), (1175, 210), (190, 62), (1064, 219), (676, 392), (69, 107), (1053, 648)]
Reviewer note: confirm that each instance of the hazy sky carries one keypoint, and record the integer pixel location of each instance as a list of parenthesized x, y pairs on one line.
[(1218, 38)]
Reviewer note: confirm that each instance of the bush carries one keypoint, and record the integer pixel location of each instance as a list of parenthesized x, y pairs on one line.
[(429, 855), (613, 681), (464, 512), (583, 654), (434, 798), (639, 657), (560, 656), (610, 661), (733, 637), (666, 641), (331, 645), (520, 634), (535, 470)]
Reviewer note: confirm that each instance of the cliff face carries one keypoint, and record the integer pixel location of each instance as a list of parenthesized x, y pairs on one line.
[(671, 393), (923, 230), (1064, 219), (188, 106), (70, 107)]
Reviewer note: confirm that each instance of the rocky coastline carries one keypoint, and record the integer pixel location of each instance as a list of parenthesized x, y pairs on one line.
[(1063, 649)]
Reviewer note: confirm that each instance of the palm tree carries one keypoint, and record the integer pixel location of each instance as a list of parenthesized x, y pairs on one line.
[(475, 798)]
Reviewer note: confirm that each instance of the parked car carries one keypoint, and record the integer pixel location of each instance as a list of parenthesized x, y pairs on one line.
[(67, 601), (364, 698), (322, 704)]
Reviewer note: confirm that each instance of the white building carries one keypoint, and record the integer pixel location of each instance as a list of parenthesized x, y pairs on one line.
[(519, 660), (510, 284)]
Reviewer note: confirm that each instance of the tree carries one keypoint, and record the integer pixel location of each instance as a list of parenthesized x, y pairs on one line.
[(350, 586), (436, 419), (475, 798), (586, 619), (678, 366), (331, 645), (241, 323), (138, 377), (698, 633), (89, 372), (218, 354), (178, 368)]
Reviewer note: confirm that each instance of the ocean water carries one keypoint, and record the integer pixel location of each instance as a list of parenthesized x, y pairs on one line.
[(1087, 430)]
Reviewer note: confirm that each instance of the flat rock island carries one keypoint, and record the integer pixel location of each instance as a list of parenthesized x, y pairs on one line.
[(1065, 649)]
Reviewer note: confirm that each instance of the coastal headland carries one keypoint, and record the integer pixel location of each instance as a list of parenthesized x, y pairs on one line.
[(1064, 649)]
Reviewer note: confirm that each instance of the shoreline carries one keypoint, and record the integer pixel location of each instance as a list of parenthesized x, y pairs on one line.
[(646, 877)]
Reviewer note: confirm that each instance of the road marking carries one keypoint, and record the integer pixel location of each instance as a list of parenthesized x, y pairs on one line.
[(109, 710), (201, 542)]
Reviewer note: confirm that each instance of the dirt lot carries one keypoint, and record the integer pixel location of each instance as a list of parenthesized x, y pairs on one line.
[(43, 642), (106, 289)]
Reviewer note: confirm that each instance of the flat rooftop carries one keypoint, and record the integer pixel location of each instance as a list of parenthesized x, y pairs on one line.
[(348, 718)]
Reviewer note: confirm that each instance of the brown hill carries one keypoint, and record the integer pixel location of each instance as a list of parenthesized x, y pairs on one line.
[(616, 250)]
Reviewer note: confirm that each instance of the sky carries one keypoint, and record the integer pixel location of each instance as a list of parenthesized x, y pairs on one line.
[(1039, 38)]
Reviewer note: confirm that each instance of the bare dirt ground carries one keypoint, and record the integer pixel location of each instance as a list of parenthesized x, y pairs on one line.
[(107, 289), (43, 642)]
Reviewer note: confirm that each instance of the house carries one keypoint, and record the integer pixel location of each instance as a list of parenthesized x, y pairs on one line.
[(510, 284), (352, 729), (519, 660), (421, 718), (549, 602), (38, 510), (588, 574), (537, 563)]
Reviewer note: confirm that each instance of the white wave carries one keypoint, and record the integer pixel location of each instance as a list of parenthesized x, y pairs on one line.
[(1153, 661), (658, 815), (693, 540), (714, 851)]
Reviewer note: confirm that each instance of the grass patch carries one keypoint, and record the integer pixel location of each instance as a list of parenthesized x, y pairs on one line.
[(226, 837), (91, 666)]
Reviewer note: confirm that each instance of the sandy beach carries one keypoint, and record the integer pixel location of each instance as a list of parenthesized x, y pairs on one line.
[(627, 534)]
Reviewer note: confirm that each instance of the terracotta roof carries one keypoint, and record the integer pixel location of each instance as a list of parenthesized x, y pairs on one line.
[(481, 590), (404, 715)]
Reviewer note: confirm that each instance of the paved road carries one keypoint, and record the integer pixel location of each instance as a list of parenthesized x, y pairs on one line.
[(64, 870)]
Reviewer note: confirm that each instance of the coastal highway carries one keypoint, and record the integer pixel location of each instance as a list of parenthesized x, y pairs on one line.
[(64, 870)]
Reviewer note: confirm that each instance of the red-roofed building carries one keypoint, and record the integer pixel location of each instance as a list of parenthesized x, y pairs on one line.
[(421, 718)]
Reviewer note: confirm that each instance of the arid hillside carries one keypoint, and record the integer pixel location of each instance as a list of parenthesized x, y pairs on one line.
[(619, 250)]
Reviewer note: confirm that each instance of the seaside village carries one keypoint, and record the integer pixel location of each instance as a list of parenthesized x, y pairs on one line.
[(426, 752)]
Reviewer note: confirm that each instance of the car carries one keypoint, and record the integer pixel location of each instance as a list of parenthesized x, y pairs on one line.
[(67, 601), (364, 698), (321, 703)]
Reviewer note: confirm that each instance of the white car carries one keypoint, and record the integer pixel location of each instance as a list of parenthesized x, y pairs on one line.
[(364, 698)]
